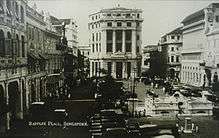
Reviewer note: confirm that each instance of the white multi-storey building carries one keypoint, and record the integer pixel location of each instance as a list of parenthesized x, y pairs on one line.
[(172, 42), (115, 40), (199, 51), (71, 31)]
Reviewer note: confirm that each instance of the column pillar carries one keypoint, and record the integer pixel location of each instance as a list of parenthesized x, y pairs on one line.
[(103, 42), (114, 69), (7, 103), (37, 90), (140, 42), (27, 93), (102, 65), (134, 42), (124, 70), (114, 41), (20, 86), (133, 68), (91, 67), (123, 40)]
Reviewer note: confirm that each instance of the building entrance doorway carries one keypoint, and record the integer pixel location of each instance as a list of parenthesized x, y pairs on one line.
[(118, 70)]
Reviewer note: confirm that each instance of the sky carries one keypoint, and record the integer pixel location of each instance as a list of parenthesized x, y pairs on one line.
[(160, 16)]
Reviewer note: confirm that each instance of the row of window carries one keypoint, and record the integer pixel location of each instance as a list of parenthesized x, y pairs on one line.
[(11, 46), (118, 24), (191, 76), (12, 5), (118, 48), (173, 37), (96, 25), (173, 59), (118, 35), (127, 15), (84, 53), (191, 68), (96, 66), (98, 36), (96, 47), (174, 49), (217, 18), (34, 34)]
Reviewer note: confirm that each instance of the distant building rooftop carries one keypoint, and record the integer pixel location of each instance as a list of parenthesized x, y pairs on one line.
[(117, 9), (120, 8), (176, 31), (56, 21), (149, 48), (197, 14)]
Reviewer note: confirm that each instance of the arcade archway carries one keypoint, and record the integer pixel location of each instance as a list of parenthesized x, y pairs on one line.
[(14, 101)]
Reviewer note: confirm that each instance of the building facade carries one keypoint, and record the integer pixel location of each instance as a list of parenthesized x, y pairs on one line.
[(211, 56), (71, 34), (13, 62), (44, 60), (146, 57), (85, 50), (172, 41), (115, 40), (85, 53), (35, 44), (71, 31), (154, 61), (199, 51)]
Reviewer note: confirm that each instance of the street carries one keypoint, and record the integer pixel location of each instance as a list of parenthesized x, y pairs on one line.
[(80, 109)]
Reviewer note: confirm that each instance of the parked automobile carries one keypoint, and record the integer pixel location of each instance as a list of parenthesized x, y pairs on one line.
[(133, 129), (39, 111), (116, 133), (60, 115)]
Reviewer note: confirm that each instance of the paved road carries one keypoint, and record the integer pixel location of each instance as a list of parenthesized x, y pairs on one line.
[(141, 89)]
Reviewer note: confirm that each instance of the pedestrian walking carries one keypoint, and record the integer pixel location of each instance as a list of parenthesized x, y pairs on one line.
[(69, 96), (156, 86), (163, 89), (152, 84)]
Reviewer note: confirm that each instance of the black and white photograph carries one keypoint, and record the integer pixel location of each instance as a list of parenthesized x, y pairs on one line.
[(109, 68)]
